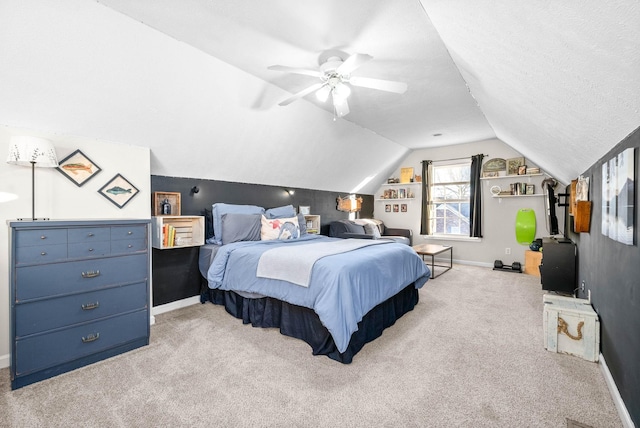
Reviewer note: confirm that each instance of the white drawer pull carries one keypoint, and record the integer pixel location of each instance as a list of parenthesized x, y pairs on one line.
[(90, 249), (90, 274), (129, 233), (43, 253), (43, 237), (90, 234)]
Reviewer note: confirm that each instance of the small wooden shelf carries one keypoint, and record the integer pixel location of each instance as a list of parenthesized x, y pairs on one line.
[(313, 223), (189, 231)]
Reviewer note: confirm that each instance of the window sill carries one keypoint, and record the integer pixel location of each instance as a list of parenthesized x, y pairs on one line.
[(450, 238)]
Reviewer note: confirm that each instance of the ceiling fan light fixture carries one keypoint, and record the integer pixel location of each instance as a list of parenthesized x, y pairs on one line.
[(341, 91), (322, 94)]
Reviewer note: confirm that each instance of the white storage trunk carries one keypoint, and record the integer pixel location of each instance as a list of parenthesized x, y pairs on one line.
[(571, 326)]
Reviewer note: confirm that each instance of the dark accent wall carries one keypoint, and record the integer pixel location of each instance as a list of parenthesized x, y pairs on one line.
[(611, 270), (175, 272)]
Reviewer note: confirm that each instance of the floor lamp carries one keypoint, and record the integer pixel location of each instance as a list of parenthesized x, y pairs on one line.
[(35, 152)]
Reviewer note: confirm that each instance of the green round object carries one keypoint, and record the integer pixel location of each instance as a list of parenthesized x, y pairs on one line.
[(525, 226)]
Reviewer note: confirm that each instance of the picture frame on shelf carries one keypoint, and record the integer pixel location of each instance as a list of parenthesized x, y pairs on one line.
[(513, 164), (304, 209), (406, 175), (522, 170), (402, 194), (119, 191), (78, 168), (490, 174), (531, 189)]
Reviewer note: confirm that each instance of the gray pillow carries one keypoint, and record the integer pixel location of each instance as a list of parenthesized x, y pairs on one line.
[(240, 227), (302, 224), (371, 229), (285, 211)]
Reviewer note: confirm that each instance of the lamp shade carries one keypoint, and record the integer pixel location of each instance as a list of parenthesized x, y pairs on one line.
[(27, 151)]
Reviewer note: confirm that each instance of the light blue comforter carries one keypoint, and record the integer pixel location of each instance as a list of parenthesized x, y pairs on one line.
[(343, 287)]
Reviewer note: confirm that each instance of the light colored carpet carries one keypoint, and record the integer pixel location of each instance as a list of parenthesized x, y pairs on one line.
[(469, 355)]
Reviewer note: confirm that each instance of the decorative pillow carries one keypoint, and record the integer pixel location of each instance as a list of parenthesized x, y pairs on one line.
[(220, 209), (280, 212), (302, 223), (371, 229), (279, 228), (240, 227)]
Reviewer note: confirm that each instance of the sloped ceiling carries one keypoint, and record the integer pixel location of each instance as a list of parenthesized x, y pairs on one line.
[(189, 79)]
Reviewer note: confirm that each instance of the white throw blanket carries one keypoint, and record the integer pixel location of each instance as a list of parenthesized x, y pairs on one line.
[(294, 263)]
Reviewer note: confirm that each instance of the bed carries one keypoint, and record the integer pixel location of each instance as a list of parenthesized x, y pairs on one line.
[(335, 294)]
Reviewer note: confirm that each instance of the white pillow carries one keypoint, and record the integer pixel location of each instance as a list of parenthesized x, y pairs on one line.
[(279, 228), (372, 229)]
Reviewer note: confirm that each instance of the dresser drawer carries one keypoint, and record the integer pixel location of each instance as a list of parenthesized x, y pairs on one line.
[(127, 232), (89, 234), (41, 254), (89, 249), (131, 245), (38, 281), (47, 350), (50, 314), (25, 238)]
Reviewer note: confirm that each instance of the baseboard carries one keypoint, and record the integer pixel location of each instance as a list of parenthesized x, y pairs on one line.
[(5, 361), (161, 309), (615, 395)]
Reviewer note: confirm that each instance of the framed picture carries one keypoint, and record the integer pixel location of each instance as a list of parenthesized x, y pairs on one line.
[(494, 165), (490, 174), (402, 194), (119, 191), (387, 208), (522, 170), (396, 208), (513, 164), (406, 175), (531, 189), (78, 168), (403, 208), (304, 210)]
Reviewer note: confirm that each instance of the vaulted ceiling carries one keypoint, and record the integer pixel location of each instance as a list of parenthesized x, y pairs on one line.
[(555, 81)]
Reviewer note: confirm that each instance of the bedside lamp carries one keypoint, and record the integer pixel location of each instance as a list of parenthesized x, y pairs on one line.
[(35, 152)]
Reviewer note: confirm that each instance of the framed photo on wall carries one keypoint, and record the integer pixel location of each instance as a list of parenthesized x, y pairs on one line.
[(387, 208), (78, 168), (119, 191)]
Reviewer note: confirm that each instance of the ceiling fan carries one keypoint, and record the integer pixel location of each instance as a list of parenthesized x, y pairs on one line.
[(335, 78)]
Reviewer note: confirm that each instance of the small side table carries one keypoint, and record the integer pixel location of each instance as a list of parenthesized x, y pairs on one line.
[(532, 260), (433, 250)]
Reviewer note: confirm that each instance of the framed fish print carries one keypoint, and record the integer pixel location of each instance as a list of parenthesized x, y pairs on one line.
[(78, 168), (119, 191)]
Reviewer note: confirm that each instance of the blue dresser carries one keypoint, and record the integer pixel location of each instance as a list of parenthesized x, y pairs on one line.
[(79, 294)]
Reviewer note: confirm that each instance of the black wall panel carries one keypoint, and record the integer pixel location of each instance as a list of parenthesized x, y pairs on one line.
[(611, 270), (175, 272)]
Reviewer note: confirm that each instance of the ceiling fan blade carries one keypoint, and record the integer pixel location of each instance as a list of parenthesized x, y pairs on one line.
[(382, 85), (314, 73), (353, 62), (302, 93), (341, 106)]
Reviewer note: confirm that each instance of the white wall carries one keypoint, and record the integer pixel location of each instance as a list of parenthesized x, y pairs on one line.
[(499, 215), (58, 198)]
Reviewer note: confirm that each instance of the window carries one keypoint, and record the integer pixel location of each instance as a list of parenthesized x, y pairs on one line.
[(450, 196)]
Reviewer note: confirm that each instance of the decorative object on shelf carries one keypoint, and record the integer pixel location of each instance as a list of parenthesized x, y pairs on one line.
[(174, 199), (119, 191), (402, 194), (495, 190), (494, 165), (78, 168), (532, 170), (304, 209), (35, 152), (350, 204), (166, 207), (418, 179), (406, 175), (513, 164), (488, 174), (522, 170), (531, 189), (618, 197)]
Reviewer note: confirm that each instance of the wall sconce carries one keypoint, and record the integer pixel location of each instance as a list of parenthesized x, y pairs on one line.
[(35, 152), (290, 192), (194, 190), (350, 204)]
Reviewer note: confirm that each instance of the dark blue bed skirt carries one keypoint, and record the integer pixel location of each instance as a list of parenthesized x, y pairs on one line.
[(303, 323)]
